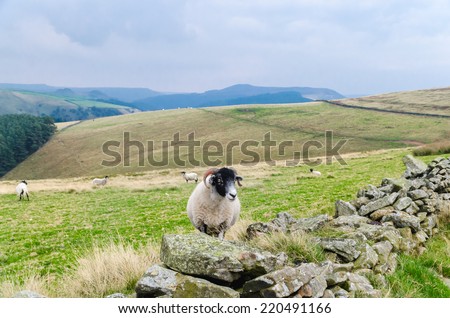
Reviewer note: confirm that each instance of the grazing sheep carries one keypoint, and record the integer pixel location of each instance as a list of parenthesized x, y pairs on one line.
[(100, 182), (22, 190), (192, 176), (213, 206), (315, 172)]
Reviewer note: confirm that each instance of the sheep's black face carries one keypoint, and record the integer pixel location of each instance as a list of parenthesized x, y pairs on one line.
[(224, 182)]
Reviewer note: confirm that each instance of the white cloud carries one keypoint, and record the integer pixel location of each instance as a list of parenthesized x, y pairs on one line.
[(352, 46)]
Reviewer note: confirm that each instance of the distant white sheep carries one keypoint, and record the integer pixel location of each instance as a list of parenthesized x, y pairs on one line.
[(315, 172), (22, 190), (213, 206), (100, 182), (192, 176)]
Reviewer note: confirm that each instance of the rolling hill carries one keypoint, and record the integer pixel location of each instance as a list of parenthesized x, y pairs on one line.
[(62, 105), (428, 101), (224, 136), (38, 99)]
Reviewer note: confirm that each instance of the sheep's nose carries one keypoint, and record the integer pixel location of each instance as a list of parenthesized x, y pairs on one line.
[(232, 195)]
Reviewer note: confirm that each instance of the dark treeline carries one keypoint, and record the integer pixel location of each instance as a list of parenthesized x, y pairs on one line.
[(62, 114), (20, 136)]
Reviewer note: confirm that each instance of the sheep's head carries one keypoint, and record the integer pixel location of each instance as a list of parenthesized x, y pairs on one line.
[(223, 180), (23, 181)]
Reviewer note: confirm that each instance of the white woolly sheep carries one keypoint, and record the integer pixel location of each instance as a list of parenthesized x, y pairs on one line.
[(22, 190), (191, 176), (315, 172), (213, 206), (100, 182)]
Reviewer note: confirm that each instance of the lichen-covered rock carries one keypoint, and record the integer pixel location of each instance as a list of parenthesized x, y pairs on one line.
[(402, 219), (205, 256), (346, 248), (344, 208), (414, 166), (361, 286), (280, 283), (402, 203), (378, 204), (159, 281), (367, 259), (314, 288), (194, 287), (417, 194)]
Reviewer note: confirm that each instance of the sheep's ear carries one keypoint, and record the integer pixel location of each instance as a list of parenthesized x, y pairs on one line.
[(209, 174), (238, 180)]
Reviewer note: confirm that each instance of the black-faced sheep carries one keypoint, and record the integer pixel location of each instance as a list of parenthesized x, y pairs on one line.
[(315, 172), (191, 176), (213, 206), (22, 190), (100, 182)]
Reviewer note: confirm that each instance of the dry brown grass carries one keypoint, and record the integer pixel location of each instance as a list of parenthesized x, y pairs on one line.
[(33, 283), (436, 148), (106, 269)]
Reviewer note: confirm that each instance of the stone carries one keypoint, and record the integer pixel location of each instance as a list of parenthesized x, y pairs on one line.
[(163, 282), (157, 281), (280, 283), (367, 259), (206, 256), (344, 208), (414, 166), (417, 194), (345, 248), (349, 220), (336, 278), (328, 294), (28, 294), (193, 287), (116, 295), (340, 292), (383, 249), (402, 203), (378, 214), (257, 229), (402, 219), (413, 208), (310, 224), (397, 184), (314, 289), (361, 286), (378, 204)]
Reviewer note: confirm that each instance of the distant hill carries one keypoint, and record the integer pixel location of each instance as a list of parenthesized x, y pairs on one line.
[(16, 98), (237, 94), (62, 105)]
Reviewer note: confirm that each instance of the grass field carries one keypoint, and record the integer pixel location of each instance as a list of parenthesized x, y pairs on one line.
[(67, 220), (77, 150), (429, 101)]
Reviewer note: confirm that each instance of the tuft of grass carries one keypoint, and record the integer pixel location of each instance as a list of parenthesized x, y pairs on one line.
[(436, 148), (35, 283), (108, 269), (298, 246)]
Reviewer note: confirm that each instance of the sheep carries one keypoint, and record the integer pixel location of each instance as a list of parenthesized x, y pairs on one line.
[(315, 172), (22, 190), (191, 176), (100, 182), (213, 206)]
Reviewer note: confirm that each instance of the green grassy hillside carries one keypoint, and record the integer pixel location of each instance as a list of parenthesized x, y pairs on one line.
[(38, 104), (77, 150)]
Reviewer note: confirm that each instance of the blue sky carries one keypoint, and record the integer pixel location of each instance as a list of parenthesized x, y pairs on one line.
[(351, 46)]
